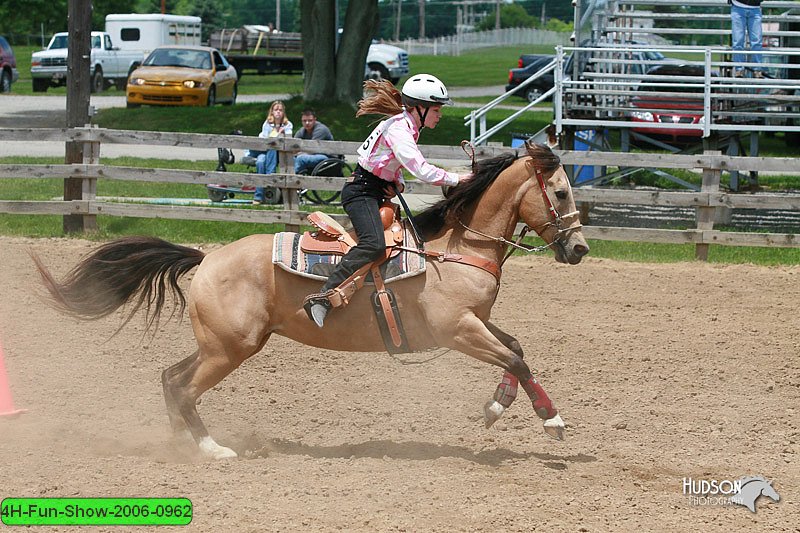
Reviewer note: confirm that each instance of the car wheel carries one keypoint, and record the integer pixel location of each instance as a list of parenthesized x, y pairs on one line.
[(5, 82), (97, 84), (378, 71), (532, 94), (212, 96), (40, 85), (233, 95)]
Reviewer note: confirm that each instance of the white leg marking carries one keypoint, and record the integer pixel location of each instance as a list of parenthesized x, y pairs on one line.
[(554, 427), (212, 450), (492, 411)]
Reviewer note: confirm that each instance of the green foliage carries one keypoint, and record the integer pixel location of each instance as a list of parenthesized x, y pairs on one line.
[(511, 16), (559, 25)]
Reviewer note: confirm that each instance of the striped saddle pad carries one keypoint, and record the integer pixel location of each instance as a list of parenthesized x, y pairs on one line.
[(287, 254)]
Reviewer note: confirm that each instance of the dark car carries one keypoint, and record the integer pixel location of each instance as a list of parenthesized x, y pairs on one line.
[(536, 88), (8, 66), (526, 59), (641, 60), (666, 101)]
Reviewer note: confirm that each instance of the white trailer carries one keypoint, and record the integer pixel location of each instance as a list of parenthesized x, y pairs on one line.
[(146, 32)]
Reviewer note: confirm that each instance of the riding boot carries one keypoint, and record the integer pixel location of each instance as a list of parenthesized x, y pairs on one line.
[(317, 306)]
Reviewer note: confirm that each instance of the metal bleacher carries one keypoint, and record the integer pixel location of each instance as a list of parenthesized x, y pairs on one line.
[(605, 77)]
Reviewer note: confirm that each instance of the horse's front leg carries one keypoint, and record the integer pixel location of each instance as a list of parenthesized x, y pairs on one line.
[(486, 342), (506, 391)]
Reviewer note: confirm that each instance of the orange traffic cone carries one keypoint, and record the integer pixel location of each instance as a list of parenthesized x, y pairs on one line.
[(6, 402)]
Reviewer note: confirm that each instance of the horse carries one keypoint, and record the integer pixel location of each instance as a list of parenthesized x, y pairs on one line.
[(238, 298), (752, 487)]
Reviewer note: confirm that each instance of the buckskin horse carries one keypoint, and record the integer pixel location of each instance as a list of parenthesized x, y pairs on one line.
[(239, 298)]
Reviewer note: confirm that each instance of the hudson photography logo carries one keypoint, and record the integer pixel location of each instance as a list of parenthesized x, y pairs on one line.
[(744, 491)]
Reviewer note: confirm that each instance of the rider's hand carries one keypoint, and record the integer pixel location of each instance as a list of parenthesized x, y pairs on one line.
[(464, 177), (390, 192)]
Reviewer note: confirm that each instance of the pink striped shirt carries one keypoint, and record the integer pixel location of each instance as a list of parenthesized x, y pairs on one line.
[(392, 146)]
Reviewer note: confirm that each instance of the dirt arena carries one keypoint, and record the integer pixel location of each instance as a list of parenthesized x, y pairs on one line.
[(662, 372)]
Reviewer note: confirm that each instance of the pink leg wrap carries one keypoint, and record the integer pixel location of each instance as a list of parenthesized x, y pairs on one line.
[(541, 402), (506, 390)]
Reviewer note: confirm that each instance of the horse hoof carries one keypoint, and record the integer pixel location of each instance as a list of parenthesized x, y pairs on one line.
[(554, 427), (492, 411), (212, 450)]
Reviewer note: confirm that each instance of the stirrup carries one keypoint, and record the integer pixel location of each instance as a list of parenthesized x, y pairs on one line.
[(319, 298)]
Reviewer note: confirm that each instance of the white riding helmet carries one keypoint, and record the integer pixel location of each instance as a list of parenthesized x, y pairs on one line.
[(425, 90)]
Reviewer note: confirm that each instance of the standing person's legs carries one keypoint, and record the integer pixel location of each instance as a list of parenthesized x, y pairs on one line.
[(266, 163), (755, 34), (737, 37)]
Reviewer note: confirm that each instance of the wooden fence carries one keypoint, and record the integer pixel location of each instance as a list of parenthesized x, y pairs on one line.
[(707, 201)]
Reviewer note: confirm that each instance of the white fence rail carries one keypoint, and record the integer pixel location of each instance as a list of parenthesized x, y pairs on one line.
[(455, 45)]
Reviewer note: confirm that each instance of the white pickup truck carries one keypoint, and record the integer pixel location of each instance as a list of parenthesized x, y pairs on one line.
[(387, 61), (109, 64)]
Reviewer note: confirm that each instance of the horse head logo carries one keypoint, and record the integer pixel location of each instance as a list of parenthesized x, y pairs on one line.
[(752, 488)]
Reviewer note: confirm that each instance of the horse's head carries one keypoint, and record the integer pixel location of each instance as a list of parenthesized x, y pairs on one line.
[(769, 491), (548, 207)]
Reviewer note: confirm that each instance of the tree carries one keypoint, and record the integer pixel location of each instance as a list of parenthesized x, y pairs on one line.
[(335, 74), (511, 16), (209, 12)]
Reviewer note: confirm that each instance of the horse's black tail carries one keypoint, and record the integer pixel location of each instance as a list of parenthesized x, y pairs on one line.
[(114, 273)]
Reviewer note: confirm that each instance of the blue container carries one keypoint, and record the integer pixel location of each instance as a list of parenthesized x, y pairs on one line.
[(583, 143)]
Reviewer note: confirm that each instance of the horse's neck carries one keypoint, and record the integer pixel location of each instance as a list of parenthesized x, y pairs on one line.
[(495, 214)]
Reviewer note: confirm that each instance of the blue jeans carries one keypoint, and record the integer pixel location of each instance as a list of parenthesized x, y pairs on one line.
[(266, 163), (307, 162), (746, 19)]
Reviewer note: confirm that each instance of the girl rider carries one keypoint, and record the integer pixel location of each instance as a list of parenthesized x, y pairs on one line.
[(390, 148)]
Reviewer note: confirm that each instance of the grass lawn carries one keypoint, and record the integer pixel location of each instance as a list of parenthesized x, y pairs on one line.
[(476, 68)]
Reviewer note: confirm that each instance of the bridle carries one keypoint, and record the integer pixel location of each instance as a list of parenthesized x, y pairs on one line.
[(557, 220)]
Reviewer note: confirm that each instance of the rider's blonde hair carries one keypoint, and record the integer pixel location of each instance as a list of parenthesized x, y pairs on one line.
[(382, 98)]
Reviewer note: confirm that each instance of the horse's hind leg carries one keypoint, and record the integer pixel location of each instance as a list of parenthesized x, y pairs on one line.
[(169, 378), (184, 383)]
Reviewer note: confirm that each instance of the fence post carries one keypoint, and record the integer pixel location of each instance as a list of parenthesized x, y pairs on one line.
[(91, 156), (705, 215), (291, 198)]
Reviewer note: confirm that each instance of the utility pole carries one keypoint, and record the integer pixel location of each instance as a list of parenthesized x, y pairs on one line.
[(421, 19), (397, 20), (278, 15), (497, 15), (79, 26)]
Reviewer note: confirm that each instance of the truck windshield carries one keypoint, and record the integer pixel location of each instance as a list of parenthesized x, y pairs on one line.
[(61, 41)]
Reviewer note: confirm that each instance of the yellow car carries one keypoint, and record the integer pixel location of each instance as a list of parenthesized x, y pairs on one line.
[(183, 75)]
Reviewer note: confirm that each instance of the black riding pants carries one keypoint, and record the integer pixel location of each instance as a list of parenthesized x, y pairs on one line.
[(361, 199)]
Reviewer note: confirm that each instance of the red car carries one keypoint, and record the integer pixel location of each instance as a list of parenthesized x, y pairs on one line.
[(8, 66), (681, 103)]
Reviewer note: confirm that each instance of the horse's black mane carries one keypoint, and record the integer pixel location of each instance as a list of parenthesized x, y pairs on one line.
[(446, 211)]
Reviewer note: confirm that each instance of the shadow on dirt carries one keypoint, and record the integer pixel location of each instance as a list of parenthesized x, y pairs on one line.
[(256, 447)]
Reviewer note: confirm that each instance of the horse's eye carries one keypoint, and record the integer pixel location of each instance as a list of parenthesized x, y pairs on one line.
[(561, 194)]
